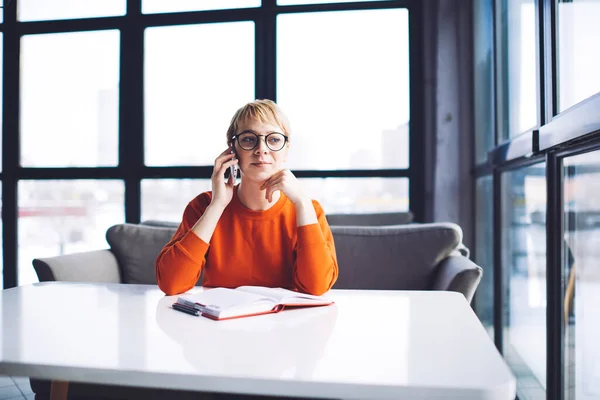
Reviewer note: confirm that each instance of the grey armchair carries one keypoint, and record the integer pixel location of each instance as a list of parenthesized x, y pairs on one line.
[(405, 257), (395, 257)]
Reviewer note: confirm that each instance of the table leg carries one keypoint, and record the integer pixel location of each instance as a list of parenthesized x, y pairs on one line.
[(59, 390)]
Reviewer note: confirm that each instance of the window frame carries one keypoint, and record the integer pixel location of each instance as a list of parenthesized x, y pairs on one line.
[(574, 131), (131, 168)]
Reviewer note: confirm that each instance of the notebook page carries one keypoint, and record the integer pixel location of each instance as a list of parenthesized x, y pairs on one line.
[(226, 298), (281, 295)]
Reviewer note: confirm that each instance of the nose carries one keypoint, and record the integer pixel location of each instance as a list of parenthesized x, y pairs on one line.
[(262, 146)]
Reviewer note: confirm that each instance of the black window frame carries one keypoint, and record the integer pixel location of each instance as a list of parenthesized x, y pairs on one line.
[(560, 135), (131, 168)]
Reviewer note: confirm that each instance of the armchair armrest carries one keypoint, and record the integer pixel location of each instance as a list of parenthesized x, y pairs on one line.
[(89, 266), (458, 274)]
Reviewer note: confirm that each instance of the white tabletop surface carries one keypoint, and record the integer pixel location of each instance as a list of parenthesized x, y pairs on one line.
[(368, 345)]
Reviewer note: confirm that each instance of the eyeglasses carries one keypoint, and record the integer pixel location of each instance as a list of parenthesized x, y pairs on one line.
[(249, 140)]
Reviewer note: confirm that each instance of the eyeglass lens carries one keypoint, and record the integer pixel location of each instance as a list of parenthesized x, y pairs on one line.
[(249, 140)]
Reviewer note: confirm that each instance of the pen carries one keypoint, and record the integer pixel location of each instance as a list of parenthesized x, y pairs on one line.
[(186, 310), (185, 302)]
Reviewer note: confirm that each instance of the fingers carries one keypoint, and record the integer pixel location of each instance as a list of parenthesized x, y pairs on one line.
[(219, 173), (276, 176), (273, 183), (272, 189), (226, 165), (273, 186), (224, 157), (228, 152)]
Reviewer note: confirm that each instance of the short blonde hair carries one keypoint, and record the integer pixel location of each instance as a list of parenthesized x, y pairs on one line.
[(264, 111)]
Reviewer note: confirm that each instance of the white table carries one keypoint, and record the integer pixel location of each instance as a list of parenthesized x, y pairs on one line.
[(369, 345)]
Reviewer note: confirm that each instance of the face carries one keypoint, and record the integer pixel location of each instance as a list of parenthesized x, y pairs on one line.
[(261, 162)]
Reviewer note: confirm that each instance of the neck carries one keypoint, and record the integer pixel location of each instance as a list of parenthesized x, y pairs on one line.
[(253, 198)]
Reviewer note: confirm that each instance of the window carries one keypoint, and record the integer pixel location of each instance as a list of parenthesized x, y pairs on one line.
[(484, 255), (578, 33), (196, 77), (1, 247), (166, 199), (524, 264), (345, 90), (69, 99), (39, 10), (347, 99), (161, 6), (65, 216), (518, 92), (545, 95), (295, 2), (483, 76), (581, 275), (359, 195), (1, 108)]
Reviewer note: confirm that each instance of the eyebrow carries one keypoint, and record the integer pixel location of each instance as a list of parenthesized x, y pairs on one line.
[(251, 131)]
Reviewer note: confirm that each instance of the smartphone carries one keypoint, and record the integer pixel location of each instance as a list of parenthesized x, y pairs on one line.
[(233, 172), (233, 169)]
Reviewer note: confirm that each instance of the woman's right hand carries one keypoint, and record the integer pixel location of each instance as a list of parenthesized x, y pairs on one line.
[(222, 190)]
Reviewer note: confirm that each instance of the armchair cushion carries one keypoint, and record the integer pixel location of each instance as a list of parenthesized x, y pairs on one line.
[(373, 219), (89, 266), (136, 248), (400, 257), (458, 274), (160, 223)]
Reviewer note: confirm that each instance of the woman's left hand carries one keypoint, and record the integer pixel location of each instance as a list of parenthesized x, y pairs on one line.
[(285, 181)]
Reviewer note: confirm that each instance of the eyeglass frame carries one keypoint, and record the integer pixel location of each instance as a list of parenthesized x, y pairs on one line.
[(285, 140)]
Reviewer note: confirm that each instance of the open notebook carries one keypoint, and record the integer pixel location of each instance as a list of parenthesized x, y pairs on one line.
[(245, 301)]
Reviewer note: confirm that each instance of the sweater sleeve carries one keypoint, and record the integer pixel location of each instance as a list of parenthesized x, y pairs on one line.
[(180, 262), (315, 265)]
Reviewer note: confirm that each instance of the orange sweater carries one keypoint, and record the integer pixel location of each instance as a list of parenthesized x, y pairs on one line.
[(263, 248)]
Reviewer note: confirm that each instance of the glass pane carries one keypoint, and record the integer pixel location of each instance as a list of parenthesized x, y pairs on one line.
[(62, 217), (69, 99), (483, 21), (524, 259), (1, 108), (292, 2), (518, 95), (161, 6), (358, 195), (484, 252), (581, 274), (1, 246), (578, 32), (348, 107), (165, 199), (193, 89), (39, 10)]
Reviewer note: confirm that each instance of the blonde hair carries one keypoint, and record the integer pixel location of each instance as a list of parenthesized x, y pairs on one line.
[(264, 111)]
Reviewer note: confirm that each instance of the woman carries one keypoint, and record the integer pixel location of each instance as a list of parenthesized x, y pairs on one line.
[(265, 231)]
